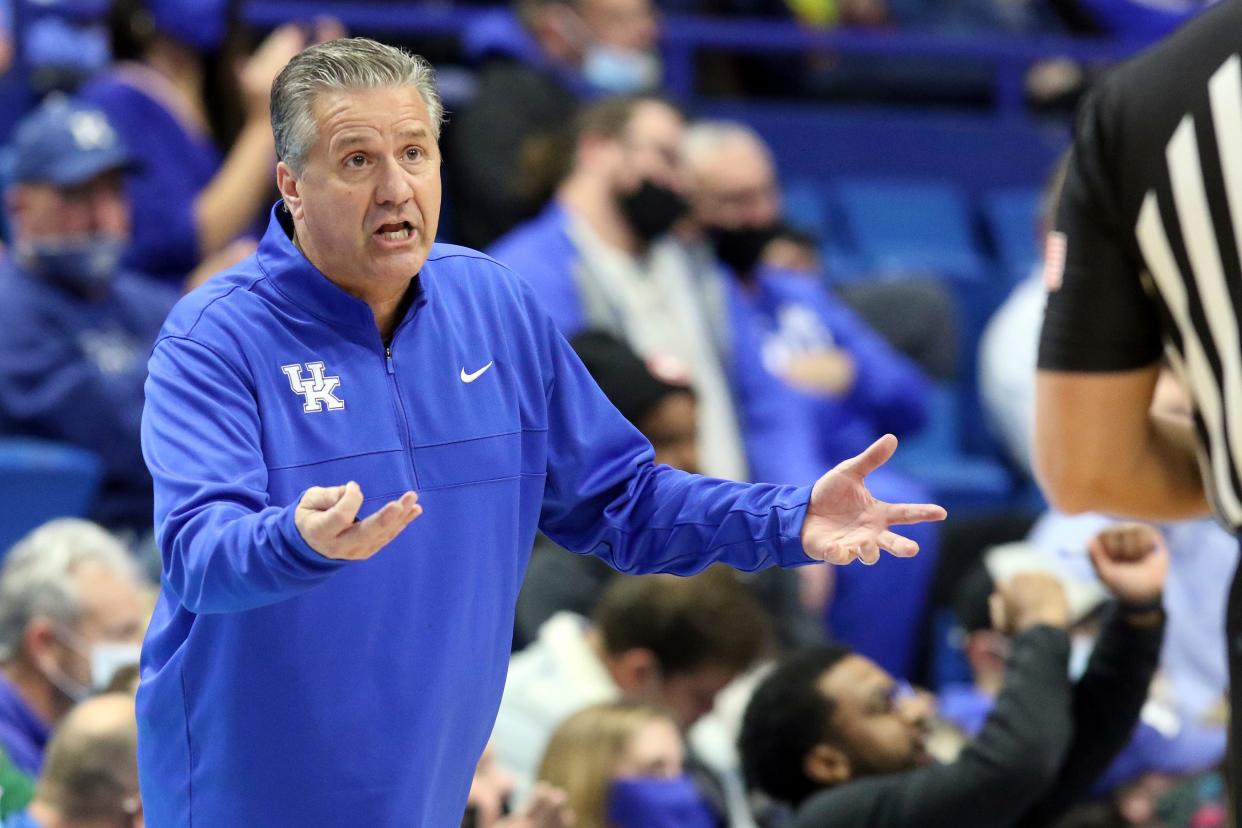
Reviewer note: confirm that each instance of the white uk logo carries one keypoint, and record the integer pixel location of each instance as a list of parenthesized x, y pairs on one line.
[(317, 391)]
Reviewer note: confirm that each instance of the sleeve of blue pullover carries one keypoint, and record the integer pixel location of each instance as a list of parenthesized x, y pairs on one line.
[(606, 497), (225, 548)]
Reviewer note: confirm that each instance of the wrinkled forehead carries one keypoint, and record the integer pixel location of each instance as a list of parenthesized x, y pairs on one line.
[(381, 112)]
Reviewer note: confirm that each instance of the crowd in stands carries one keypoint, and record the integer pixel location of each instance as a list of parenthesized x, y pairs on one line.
[(1027, 668)]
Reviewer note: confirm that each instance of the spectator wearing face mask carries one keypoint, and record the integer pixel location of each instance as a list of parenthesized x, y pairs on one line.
[(75, 327), (536, 64), (622, 765), (91, 775), (182, 89), (812, 380), (601, 256), (71, 614)]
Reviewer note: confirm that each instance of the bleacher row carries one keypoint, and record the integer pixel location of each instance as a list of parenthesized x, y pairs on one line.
[(979, 248)]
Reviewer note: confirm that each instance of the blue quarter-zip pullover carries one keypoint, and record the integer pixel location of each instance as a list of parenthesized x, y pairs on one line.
[(280, 688)]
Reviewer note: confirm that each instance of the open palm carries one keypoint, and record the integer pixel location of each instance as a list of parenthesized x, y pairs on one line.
[(844, 522)]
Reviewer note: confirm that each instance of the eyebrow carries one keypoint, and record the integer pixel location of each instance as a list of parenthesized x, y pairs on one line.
[(356, 136)]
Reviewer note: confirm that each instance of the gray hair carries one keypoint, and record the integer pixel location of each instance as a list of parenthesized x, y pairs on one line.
[(338, 66), (705, 137), (36, 580)]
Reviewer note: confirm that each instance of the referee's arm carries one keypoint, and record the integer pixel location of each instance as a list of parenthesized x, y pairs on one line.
[(1098, 443), (1099, 446)]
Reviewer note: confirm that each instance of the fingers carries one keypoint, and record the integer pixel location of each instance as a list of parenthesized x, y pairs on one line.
[(369, 536), (898, 546), (337, 518), (897, 514), (867, 551), (321, 498), (876, 455)]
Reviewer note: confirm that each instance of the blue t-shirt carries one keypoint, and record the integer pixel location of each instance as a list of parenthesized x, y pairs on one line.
[(283, 688)]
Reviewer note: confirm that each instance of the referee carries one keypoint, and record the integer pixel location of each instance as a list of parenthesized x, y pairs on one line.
[(1145, 262)]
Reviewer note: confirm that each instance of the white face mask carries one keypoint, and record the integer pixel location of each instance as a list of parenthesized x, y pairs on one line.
[(108, 657), (621, 71)]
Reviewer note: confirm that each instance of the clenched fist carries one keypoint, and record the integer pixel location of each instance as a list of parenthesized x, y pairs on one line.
[(1132, 561), (326, 518)]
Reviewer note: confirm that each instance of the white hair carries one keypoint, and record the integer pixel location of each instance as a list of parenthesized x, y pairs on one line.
[(339, 66), (706, 137), (37, 577)]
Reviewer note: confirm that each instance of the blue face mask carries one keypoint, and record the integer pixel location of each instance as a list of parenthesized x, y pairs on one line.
[(201, 24), (85, 264), (649, 802), (621, 71)]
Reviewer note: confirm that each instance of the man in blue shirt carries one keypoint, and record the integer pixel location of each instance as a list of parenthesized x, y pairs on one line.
[(309, 663), (75, 328)]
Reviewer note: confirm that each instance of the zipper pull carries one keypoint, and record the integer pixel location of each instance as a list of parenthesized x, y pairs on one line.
[(388, 359)]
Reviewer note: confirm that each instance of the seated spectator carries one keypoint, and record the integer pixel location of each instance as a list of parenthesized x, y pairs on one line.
[(812, 381), (487, 805), (71, 614), (601, 257), (536, 64), (675, 641), (824, 735), (623, 766), (663, 407), (91, 775), (75, 328), (181, 91)]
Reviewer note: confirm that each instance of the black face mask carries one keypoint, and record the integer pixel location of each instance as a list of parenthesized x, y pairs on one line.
[(740, 248), (652, 210)]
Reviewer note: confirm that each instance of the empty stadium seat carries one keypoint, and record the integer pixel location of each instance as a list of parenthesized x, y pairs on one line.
[(41, 480)]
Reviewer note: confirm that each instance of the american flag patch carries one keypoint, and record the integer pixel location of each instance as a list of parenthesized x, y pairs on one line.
[(1054, 260)]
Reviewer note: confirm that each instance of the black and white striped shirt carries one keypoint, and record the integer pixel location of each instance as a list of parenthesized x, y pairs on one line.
[(1147, 252)]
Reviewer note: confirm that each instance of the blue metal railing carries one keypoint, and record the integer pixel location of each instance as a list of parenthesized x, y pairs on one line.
[(685, 37)]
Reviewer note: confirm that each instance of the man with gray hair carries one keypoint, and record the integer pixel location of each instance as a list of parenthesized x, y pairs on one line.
[(71, 612), (308, 663), (91, 775)]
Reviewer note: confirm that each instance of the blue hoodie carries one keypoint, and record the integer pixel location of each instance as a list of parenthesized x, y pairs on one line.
[(282, 688)]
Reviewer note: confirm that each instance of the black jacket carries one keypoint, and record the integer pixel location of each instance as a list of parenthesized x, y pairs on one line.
[(1041, 749)]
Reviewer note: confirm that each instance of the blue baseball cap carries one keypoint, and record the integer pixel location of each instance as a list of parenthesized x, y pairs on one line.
[(65, 143)]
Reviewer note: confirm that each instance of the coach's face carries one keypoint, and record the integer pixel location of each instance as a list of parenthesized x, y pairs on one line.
[(366, 202)]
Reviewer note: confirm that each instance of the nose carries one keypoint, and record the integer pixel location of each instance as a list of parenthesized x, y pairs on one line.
[(393, 186), (109, 211)]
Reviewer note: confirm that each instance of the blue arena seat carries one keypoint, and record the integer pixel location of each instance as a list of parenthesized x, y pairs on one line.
[(41, 480), (911, 226), (1012, 217)]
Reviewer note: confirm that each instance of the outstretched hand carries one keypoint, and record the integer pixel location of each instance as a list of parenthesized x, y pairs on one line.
[(326, 516), (844, 522)]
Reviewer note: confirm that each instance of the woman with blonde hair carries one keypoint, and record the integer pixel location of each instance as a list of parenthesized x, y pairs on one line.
[(622, 766)]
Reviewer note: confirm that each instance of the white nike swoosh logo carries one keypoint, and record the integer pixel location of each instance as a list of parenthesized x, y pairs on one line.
[(468, 378)]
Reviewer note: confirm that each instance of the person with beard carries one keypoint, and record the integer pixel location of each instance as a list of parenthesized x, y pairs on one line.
[(602, 255), (812, 380), (832, 736)]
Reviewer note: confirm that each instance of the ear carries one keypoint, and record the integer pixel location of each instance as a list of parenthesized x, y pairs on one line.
[(39, 641), (827, 765), (636, 672), (289, 185)]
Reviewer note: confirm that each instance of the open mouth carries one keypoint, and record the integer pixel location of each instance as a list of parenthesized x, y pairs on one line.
[(395, 231)]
